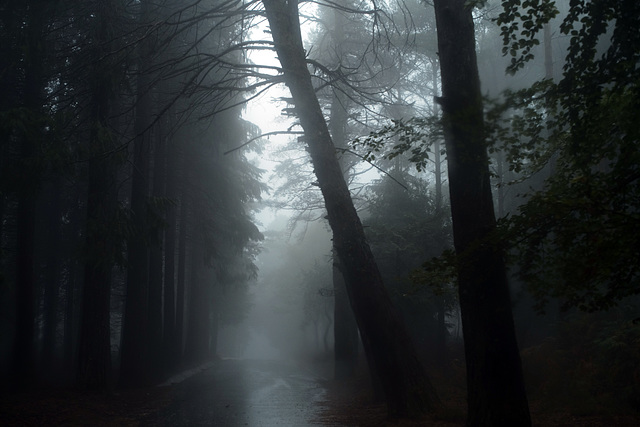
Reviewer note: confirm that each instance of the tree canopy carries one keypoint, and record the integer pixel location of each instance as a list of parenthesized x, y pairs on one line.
[(575, 237)]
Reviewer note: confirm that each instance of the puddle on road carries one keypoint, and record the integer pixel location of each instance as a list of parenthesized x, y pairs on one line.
[(285, 397)]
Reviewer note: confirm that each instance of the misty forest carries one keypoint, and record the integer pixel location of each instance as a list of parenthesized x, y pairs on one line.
[(327, 212)]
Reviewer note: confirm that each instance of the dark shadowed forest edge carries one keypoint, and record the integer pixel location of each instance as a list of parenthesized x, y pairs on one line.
[(67, 407), (350, 403), (347, 402)]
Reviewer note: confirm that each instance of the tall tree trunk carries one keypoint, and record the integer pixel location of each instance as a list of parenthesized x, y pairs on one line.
[(499, 158), (198, 326), (156, 263), (23, 364), (70, 324), (407, 389), (496, 393), (135, 360), (193, 306), (52, 279), (72, 294), (440, 301), (169, 292), (24, 346), (95, 333), (437, 157), (135, 353), (182, 271), (345, 328), (94, 357)]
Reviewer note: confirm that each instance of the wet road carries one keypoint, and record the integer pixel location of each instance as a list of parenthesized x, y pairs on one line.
[(246, 393)]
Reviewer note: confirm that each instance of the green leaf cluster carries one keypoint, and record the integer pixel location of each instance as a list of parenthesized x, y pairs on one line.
[(405, 227), (520, 21), (413, 137), (576, 238)]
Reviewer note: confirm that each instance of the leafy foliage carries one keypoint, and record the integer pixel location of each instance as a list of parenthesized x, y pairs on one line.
[(405, 227), (520, 23), (439, 274), (413, 136), (576, 238)]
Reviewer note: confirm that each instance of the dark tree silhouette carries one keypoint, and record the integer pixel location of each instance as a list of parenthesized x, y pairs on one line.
[(135, 355), (407, 389), (30, 138), (496, 393), (101, 246)]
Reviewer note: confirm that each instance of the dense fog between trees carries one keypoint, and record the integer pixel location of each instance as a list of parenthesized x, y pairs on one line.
[(423, 202)]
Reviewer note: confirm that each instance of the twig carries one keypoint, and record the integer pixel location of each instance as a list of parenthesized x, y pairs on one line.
[(280, 132), (346, 150)]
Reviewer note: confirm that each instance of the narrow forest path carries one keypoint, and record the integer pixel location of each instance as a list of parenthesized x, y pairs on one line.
[(235, 392)]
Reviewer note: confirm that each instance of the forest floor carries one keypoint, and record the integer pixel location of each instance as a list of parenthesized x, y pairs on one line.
[(66, 406), (55, 407), (347, 403), (350, 403)]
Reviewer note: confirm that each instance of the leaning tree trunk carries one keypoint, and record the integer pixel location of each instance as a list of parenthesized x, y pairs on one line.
[(407, 389), (496, 393), (345, 328)]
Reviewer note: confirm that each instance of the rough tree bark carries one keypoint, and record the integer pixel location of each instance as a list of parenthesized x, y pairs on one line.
[(496, 393), (345, 328), (408, 391)]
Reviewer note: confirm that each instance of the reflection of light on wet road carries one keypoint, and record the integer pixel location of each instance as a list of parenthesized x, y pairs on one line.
[(268, 391), (246, 393), (283, 396)]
